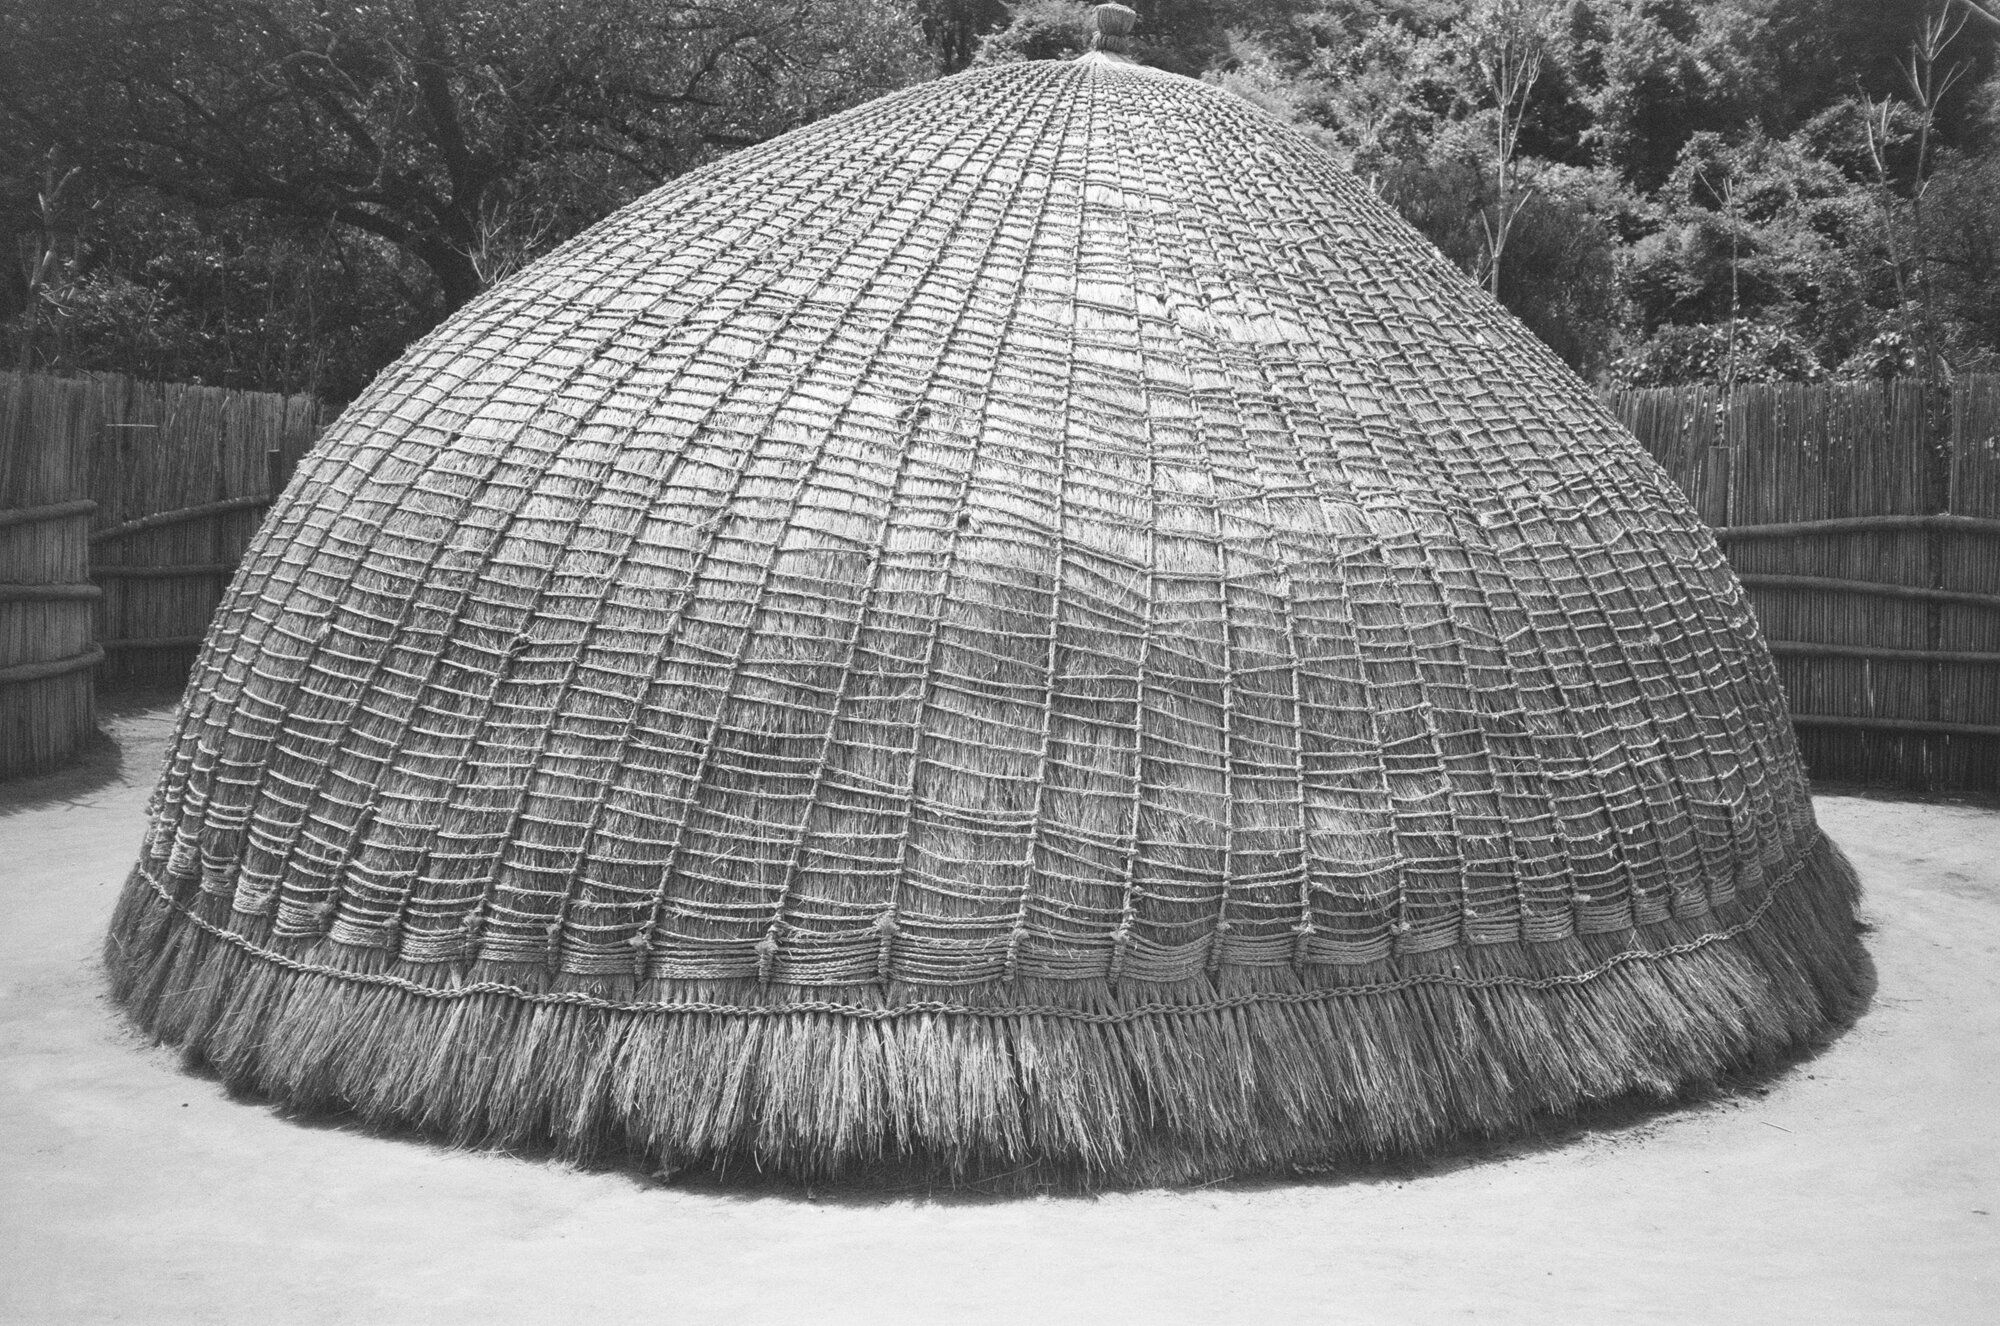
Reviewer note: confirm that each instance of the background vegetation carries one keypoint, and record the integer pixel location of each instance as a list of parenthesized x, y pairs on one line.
[(282, 194)]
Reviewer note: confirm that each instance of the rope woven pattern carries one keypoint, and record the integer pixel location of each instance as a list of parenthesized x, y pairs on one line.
[(1046, 523), (941, 1008)]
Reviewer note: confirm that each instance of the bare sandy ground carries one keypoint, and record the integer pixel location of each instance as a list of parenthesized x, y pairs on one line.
[(1861, 1186)]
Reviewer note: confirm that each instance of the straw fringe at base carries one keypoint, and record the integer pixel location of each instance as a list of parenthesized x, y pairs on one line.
[(1076, 1083)]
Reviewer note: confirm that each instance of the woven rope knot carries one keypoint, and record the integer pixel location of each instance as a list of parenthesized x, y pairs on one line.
[(1012, 967), (885, 952), (1302, 941), (1121, 941), (185, 859), (1217, 939), (468, 930), (1112, 26), (766, 950)]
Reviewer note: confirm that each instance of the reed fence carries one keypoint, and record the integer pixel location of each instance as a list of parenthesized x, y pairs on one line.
[(181, 476), (1865, 521)]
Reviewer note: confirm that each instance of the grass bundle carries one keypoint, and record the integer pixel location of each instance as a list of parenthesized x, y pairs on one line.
[(1032, 628)]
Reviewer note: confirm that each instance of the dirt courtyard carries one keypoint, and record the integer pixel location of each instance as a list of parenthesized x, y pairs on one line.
[(1860, 1186)]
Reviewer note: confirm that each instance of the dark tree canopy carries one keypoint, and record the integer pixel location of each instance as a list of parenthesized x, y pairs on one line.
[(455, 130), (282, 193)]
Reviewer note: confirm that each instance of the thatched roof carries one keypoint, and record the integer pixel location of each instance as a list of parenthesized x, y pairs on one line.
[(1032, 622)]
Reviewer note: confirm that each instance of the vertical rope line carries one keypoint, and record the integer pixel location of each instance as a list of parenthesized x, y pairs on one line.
[(1387, 386), (269, 546), (1407, 391), (226, 671), (437, 354), (1062, 83), (743, 260), (887, 922), (1396, 638), (273, 546), (360, 688), (1038, 815), (1318, 475), (611, 579), (350, 591), (1121, 937), (363, 688), (1126, 153), (709, 741), (1644, 479), (749, 361)]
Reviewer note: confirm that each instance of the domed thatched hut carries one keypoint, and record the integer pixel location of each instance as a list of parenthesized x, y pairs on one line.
[(1033, 626)]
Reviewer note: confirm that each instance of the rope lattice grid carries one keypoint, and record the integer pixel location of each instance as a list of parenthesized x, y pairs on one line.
[(1049, 523)]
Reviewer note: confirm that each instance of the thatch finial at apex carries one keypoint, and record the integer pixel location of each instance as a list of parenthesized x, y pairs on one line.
[(1112, 26)]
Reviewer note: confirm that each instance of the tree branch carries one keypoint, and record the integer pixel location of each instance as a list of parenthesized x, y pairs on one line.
[(1975, 9)]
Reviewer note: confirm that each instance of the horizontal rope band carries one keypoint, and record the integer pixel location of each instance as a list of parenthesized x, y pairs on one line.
[(1945, 521), (154, 642), (1872, 587), (181, 516), (1814, 649), (943, 1008), (14, 592), (35, 515), (163, 572), (1866, 723), (54, 667)]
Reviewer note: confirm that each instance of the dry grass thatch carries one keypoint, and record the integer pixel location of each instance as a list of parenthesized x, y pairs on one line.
[(1031, 624)]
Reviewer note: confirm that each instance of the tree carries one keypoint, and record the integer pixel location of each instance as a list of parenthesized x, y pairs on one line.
[(1038, 30), (1186, 36), (1506, 40), (1928, 86), (1766, 242), (1563, 281), (41, 258), (1964, 251), (954, 27), (1984, 11), (1653, 73), (465, 133)]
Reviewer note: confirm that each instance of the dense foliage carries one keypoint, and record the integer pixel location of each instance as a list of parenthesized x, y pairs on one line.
[(283, 193)]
